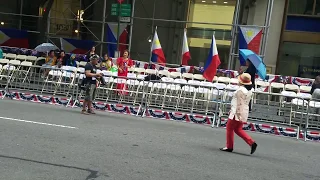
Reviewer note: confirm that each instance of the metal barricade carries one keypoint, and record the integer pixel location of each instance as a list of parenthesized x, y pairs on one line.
[(312, 119), (43, 80), (168, 94), (181, 96), (112, 89)]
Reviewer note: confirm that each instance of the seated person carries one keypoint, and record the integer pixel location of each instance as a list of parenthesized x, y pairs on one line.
[(61, 60), (50, 61), (72, 61), (106, 63), (1, 54)]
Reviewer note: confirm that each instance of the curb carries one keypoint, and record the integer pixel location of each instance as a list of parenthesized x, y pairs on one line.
[(166, 115)]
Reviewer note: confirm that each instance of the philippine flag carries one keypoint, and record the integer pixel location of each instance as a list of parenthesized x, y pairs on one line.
[(112, 33), (157, 52), (250, 38), (14, 38), (212, 63), (76, 46), (185, 50)]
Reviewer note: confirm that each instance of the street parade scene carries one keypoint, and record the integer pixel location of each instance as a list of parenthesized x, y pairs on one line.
[(159, 89)]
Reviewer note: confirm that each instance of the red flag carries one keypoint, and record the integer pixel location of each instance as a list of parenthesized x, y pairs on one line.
[(185, 50), (212, 63)]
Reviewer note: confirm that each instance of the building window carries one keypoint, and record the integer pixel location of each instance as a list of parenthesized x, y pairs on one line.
[(299, 59), (199, 35), (317, 8), (303, 7)]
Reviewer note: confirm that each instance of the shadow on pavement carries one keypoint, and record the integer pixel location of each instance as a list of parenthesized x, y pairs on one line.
[(93, 174)]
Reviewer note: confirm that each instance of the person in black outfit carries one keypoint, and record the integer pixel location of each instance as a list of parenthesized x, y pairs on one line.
[(252, 70), (90, 84), (90, 53)]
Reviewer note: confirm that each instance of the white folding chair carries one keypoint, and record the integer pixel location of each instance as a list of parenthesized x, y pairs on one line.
[(305, 89), (151, 71), (175, 74), (25, 69), (32, 59), (198, 77), (260, 87), (21, 57), (82, 63), (11, 56), (187, 76), (234, 81), (163, 73), (225, 80), (139, 70), (53, 77)]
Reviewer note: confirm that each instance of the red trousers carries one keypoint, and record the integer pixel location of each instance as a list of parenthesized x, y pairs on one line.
[(236, 126)]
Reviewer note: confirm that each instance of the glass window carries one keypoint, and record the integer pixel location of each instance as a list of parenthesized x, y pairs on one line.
[(317, 10), (199, 35), (299, 59), (301, 7)]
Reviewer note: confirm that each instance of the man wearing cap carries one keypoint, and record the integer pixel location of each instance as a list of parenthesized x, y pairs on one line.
[(90, 84)]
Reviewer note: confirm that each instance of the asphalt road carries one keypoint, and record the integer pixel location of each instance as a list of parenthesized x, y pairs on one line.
[(45, 142)]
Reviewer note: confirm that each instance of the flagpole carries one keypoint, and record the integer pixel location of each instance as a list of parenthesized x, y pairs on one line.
[(131, 24), (118, 30), (181, 55), (152, 44)]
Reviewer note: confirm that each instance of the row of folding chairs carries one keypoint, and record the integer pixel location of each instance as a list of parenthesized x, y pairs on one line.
[(19, 57), (9, 67)]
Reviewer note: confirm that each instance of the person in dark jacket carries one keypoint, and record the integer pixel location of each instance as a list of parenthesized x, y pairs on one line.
[(90, 53), (252, 70)]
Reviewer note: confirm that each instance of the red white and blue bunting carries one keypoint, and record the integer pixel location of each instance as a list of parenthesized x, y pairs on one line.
[(160, 114)]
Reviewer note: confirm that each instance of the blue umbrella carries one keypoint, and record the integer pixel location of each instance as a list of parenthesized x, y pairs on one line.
[(256, 61)]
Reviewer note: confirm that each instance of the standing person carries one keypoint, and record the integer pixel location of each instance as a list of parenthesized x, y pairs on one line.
[(91, 52), (252, 70), (315, 89), (239, 114), (124, 63), (90, 84)]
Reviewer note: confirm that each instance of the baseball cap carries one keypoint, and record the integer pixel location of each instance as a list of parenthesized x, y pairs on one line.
[(94, 56)]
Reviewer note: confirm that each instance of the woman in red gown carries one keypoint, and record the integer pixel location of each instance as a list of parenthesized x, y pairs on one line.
[(124, 63)]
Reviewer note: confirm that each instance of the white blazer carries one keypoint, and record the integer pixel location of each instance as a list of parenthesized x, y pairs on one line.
[(240, 104)]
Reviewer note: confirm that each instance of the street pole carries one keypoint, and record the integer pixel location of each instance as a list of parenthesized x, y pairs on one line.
[(103, 25), (118, 30), (131, 24), (21, 8), (152, 31)]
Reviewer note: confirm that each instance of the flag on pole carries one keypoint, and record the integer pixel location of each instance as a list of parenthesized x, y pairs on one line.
[(212, 63), (185, 50), (250, 38), (112, 30), (157, 52), (76, 46), (14, 38)]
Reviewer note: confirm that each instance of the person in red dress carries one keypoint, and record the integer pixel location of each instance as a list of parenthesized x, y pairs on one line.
[(123, 63)]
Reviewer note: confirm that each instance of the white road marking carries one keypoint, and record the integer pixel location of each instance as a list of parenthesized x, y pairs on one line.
[(41, 123)]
